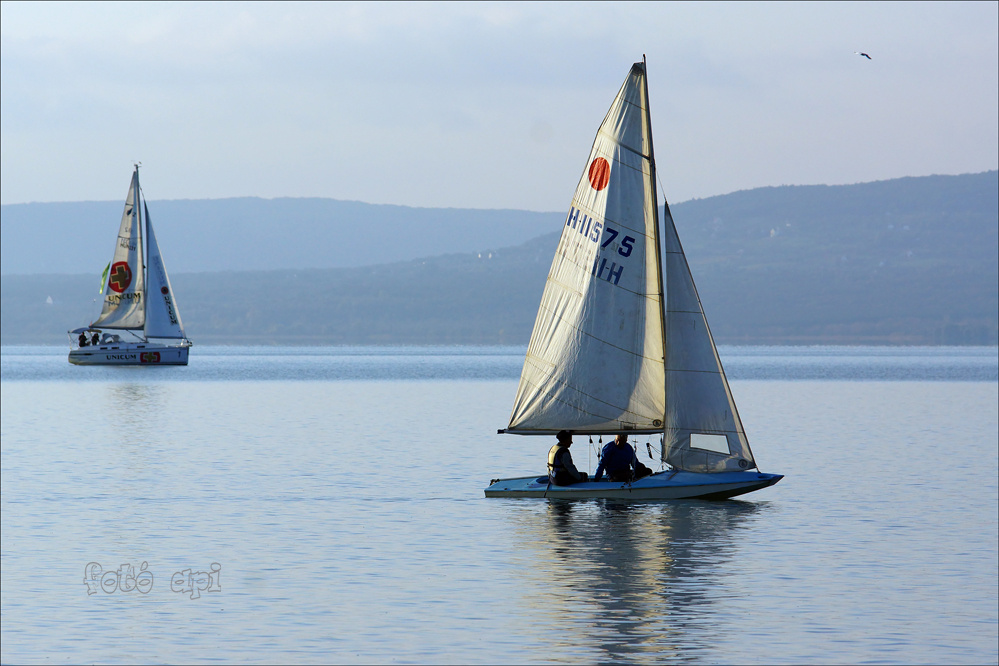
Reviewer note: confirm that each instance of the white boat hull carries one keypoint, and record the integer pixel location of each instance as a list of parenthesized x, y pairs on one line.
[(130, 353), (662, 486)]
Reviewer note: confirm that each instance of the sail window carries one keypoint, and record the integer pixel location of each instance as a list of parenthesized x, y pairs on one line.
[(716, 443)]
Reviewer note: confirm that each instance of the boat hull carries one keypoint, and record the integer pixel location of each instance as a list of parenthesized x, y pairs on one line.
[(130, 354), (662, 486)]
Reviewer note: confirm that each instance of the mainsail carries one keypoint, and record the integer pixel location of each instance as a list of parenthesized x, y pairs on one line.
[(124, 293), (162, 315), (595, 360), (609, 352)]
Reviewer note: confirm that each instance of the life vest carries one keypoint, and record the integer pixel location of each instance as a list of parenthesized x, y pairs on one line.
[(555, 459)]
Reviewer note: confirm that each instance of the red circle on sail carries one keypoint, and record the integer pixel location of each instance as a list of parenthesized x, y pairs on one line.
[(599, 173), (119, 277)]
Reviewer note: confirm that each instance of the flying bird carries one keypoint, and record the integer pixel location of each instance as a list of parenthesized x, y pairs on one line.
[(863, 54)]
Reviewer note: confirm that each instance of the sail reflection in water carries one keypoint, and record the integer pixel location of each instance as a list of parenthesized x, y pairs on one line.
[(631, 582)]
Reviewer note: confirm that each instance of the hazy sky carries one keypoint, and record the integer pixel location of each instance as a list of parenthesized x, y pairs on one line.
[(484, 105)]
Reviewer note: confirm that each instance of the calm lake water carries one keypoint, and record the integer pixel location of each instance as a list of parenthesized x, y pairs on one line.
[(325, 505)]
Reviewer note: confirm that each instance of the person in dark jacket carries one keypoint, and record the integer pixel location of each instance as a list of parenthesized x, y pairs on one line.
[(618, 459), (561, 471)]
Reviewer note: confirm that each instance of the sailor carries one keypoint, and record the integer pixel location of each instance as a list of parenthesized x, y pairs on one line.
[(618, 459), (96, 339), (561, 471), (83, 338)]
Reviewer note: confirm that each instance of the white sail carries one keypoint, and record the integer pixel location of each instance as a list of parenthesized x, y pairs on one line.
[(162, 315), (595, 360), (703, 431), (124, 292), (611, 352)]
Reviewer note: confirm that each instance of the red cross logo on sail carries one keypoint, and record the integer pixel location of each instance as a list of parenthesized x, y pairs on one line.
[(599, 173), (120, 277)]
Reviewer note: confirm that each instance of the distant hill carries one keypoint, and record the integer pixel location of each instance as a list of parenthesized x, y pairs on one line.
[(907, 261), (249, 234)]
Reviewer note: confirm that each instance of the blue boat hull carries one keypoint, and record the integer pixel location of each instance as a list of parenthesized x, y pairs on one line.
[(661, 486)]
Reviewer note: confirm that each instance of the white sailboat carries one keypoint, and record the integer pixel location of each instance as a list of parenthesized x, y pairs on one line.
[(138, 300), (611, 352)]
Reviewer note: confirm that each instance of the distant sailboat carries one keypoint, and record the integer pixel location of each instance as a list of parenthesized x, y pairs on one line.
[(611, 352), (138, 300)]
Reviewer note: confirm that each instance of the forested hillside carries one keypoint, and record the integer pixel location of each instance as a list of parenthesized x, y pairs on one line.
[(908, 261)]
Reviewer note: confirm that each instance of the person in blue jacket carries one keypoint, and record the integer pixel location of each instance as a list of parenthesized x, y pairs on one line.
[(618, 459)]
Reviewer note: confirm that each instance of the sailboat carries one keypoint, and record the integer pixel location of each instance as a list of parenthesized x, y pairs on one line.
[(138, 300), (614, 352)]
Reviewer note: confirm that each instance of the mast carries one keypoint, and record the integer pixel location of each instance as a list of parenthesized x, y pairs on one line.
[(655, 216), (142, 251)]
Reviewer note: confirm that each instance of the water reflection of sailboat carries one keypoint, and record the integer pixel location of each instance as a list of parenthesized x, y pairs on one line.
[(629, 582), (140, 427)]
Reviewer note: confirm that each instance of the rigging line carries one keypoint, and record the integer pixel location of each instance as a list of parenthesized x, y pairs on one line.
[(602, 215), (621, 410), (585, 267), (661, 188), (706, 372), (132, 332), (594, 214), (567, 322), (707, 431), (613, 140), (625, 226), (595, 450)]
